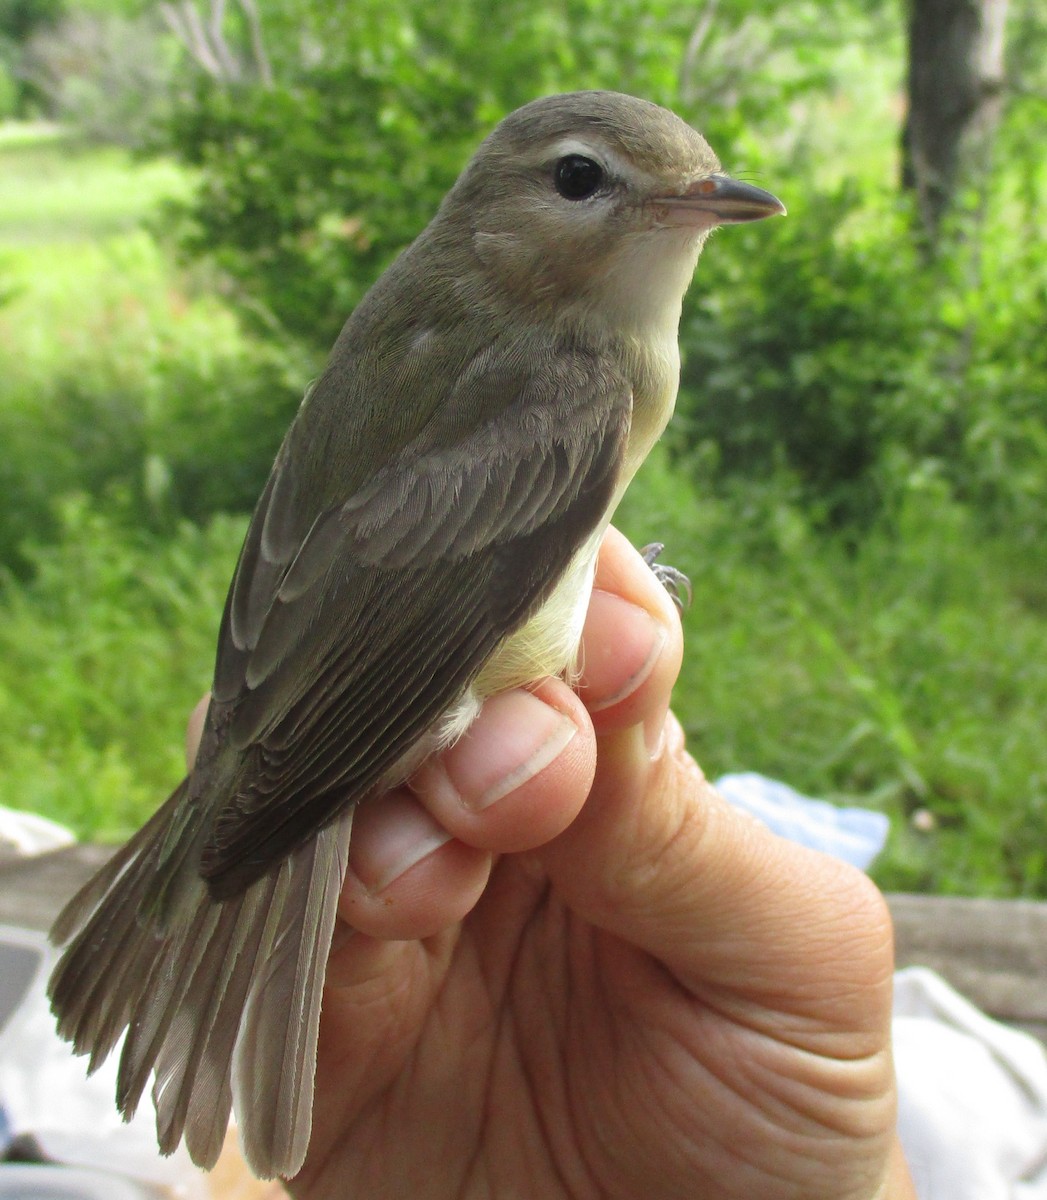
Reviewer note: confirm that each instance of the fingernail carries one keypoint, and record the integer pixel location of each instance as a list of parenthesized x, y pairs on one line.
[(514, 738), (390, 838), (634, 649)]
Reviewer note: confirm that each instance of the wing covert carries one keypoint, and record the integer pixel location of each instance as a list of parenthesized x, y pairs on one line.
[(396, 597)]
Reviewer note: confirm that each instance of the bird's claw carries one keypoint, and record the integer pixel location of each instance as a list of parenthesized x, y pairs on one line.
[(675, 582)]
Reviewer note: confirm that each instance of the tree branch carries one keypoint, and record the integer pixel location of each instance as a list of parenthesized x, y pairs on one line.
[(231, 67), (184, 23), (261, 59)]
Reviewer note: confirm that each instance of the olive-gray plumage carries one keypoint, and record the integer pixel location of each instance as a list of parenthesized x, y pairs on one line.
[(426, 538)]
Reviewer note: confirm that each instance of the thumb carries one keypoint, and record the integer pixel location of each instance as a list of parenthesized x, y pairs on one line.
[(659, 859)]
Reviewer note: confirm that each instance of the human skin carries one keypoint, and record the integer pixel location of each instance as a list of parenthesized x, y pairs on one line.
[(568, 969)]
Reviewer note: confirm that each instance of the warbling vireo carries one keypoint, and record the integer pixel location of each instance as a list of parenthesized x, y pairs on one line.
[(427, 538)]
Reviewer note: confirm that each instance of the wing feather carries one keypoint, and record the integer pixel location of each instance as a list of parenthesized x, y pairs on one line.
[(395, 598)]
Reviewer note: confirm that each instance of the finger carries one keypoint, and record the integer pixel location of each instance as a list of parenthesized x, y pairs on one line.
[(407, 876), (420, 855), (632, 642), (519, 775), (659, 859)]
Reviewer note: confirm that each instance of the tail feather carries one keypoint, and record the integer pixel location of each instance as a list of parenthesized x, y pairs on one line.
[(282, 1014), (187, 1088), (94, 986), (212, 1090), (77, 911), (220, 1000), (193, 1057), (109, 1008), (150, 1028)]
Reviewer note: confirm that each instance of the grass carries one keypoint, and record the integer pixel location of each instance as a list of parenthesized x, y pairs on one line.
[(906, 671), (102, 655), (904, 676), (92, 306), (53, 190), (84, 278), (121, 376)]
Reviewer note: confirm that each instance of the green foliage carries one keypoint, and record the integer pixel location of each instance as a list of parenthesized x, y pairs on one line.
[(857, 480), (117, 381), (828, 346), (109, 76), (102, 656), (310, 188), (800, 346), (904, 673), (823, 344), (19, 18), (9, 89), (138, 399), (52, 190), (908, 676)]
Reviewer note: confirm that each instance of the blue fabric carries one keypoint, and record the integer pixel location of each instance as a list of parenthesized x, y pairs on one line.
[(857, 835)]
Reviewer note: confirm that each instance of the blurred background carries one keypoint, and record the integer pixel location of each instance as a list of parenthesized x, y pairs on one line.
[(193, 196)]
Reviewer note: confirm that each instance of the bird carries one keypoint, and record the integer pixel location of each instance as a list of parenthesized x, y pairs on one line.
[(427, 538)]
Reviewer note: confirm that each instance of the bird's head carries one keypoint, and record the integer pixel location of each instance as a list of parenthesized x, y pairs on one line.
[(596, 205)]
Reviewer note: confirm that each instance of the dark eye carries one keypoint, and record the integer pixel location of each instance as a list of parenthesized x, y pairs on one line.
[(577, 177)]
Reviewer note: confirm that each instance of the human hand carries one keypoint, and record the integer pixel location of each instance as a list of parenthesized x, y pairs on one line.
[(606, 982)]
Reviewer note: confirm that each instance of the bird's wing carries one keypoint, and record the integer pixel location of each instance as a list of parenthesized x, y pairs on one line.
[(334, 660)]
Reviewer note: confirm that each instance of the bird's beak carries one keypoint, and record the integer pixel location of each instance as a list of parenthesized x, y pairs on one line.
[(719, 200)]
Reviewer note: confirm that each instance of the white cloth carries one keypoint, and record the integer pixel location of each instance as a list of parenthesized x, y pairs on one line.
[(46, 1092), (25, 833), (972, 1096)]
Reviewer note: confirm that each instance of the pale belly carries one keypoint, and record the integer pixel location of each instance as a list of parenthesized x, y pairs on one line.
[(548, 643)]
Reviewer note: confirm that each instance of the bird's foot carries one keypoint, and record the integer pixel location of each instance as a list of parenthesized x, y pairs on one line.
[(675, 582)]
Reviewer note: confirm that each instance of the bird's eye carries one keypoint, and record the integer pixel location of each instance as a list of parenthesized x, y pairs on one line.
[(577, 177)]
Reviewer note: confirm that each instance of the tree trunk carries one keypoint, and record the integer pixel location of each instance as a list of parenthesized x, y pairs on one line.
[(955, 84)]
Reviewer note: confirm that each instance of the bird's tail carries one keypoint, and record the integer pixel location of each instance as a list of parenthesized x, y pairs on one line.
[(220, 1000)]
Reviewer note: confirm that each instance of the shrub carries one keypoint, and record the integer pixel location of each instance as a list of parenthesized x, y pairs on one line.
[(102, 655), (133, 392), (833, 350), (109, 76), (311, 186)]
